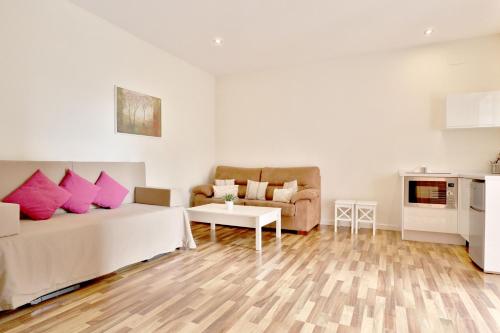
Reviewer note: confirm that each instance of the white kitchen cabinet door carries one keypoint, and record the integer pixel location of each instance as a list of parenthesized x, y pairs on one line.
[(463, 207), (460, 111), (430, 219), (473, 110)]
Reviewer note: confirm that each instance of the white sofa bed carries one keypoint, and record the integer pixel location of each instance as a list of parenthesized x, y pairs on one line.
[(46, 256)]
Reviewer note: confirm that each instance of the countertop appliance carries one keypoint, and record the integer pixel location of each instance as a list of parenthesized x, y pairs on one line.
[(430, 209), (477, 222), (431, 192)]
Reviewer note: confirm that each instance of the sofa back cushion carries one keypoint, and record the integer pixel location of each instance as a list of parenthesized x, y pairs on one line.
[(15, 173), (240, 175), (128, 174), (307, 177), (242, 190)]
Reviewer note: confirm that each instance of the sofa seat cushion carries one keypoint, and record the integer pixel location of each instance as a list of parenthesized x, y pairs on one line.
[(71, 248), (200, 199), (287, 209), (203, 200)]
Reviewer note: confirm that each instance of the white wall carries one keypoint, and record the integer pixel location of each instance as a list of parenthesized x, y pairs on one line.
[(360, 119), (58, 68)]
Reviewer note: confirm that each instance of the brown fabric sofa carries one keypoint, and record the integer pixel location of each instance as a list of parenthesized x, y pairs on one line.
[(303, 212)]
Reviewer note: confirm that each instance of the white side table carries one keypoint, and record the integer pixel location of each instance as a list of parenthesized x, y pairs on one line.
[(366, 212), (344, 212)]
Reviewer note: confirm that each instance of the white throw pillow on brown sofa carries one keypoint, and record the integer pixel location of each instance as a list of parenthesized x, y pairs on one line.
[(291, 185), (221, 191), (222, 182), (256, 190), (283, 194)]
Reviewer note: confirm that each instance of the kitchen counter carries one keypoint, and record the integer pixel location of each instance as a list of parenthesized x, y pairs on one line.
[(471, 212)]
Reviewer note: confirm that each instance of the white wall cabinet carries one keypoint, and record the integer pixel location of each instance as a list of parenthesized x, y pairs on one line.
[(473, 110), (463, 207)]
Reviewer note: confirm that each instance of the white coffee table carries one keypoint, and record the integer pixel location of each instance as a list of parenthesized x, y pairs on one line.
[(239, 216)]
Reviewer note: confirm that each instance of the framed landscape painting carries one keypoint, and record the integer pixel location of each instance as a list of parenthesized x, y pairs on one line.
[(137, 113)]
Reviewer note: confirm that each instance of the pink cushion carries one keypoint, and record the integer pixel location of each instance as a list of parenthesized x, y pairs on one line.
[(82, 192), (38, 197), (111, 194)]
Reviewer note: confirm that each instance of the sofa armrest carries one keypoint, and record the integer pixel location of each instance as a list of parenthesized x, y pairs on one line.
[(308, 194), (158, 196), (9, 219), (206, 190)]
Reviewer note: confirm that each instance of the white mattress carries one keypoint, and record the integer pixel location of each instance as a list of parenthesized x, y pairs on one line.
[(69, 248)]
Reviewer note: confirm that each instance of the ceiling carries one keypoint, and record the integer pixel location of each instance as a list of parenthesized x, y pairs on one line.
[(262, 34)]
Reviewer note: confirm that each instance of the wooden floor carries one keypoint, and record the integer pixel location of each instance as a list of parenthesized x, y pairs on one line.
[(323, 282)]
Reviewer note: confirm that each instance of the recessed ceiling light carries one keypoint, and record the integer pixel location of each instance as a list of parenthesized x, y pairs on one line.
[(218, 41), (428, 31)]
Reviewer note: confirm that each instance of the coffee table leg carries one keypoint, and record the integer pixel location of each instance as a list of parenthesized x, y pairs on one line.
[(278, 227), (258, 238), (213, 237)]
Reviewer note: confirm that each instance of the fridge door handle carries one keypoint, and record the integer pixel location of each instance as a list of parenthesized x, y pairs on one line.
[(476, 209)]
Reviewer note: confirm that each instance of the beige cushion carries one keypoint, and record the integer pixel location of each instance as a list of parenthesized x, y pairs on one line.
[(283, 194), (256, 190), (158, 196), (220, 191), (291, 185), (221, 182)]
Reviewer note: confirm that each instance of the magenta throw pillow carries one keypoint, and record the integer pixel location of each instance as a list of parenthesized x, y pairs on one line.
[(82, 192), (38, 197), (111, 194)]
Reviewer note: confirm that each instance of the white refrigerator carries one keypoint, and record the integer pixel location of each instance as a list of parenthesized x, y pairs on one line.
[(477, 222)]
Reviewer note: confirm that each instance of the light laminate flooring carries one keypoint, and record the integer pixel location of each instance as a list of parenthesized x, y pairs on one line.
[(323, 282)]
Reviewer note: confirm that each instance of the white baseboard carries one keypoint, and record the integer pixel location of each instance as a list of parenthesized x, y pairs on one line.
[(380, 226)]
